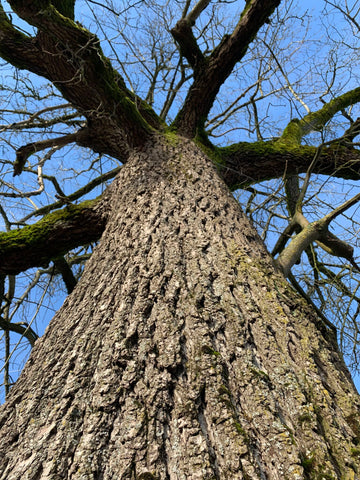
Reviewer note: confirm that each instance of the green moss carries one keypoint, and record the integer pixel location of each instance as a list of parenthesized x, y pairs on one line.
[(224, 156), (308, 463), (355, 452), (59, 13), (224, 391), (316, 121), (211, 151), (171, 136), (312, 470), (260, 374), (271, 147), (225, 397), (287, 433), (315, 467), (260, 149), (292, 134), (305, 417), (65, 7), (246, 8), (135, 109), (209, 351), (38, 233), (242, 432)]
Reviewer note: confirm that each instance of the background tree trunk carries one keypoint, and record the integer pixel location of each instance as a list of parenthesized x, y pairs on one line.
[(182, 353)]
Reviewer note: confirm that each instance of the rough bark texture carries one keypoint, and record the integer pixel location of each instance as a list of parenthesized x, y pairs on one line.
[(182, 353)]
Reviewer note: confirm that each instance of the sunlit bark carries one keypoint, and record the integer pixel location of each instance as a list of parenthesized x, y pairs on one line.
[(182, 352)]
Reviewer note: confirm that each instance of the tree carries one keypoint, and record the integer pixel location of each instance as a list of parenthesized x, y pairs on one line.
[(183, 352)]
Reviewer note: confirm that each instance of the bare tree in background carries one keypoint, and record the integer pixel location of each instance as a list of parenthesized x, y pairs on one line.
[(183, 351)]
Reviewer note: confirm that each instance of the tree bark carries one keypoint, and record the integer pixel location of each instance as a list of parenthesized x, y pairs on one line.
[(182, 353)]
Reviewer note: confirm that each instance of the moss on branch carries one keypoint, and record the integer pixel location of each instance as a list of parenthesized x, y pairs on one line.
[(113, 110), (57, 233), (316, 121), (243, 164), (65, 7)]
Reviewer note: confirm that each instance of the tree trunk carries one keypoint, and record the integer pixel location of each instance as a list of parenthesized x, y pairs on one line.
[(182, 353)]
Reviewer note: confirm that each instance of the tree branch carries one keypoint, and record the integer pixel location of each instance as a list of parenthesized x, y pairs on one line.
[(197, 10), (23, 153), (70, 56), (21, 329), (316, 231), (316, 121), (328, 241), (217, 68), (182, 33), (65, 271), (18, 49), (245, 163), (101, 179), (56, 234)]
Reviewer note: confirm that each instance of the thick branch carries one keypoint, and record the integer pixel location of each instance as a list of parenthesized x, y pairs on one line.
[(217, 68), (72, 59), (182, 33), (64, 269), (196, 11), (19, 49), (244, 163), (291, 254), (327, 240), (57, 233), (316, 121), (316, 231)]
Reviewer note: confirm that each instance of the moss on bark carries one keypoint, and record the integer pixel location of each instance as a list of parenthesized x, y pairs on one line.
[(54, 235), (316, 121), (181, 350), (245, 163)]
